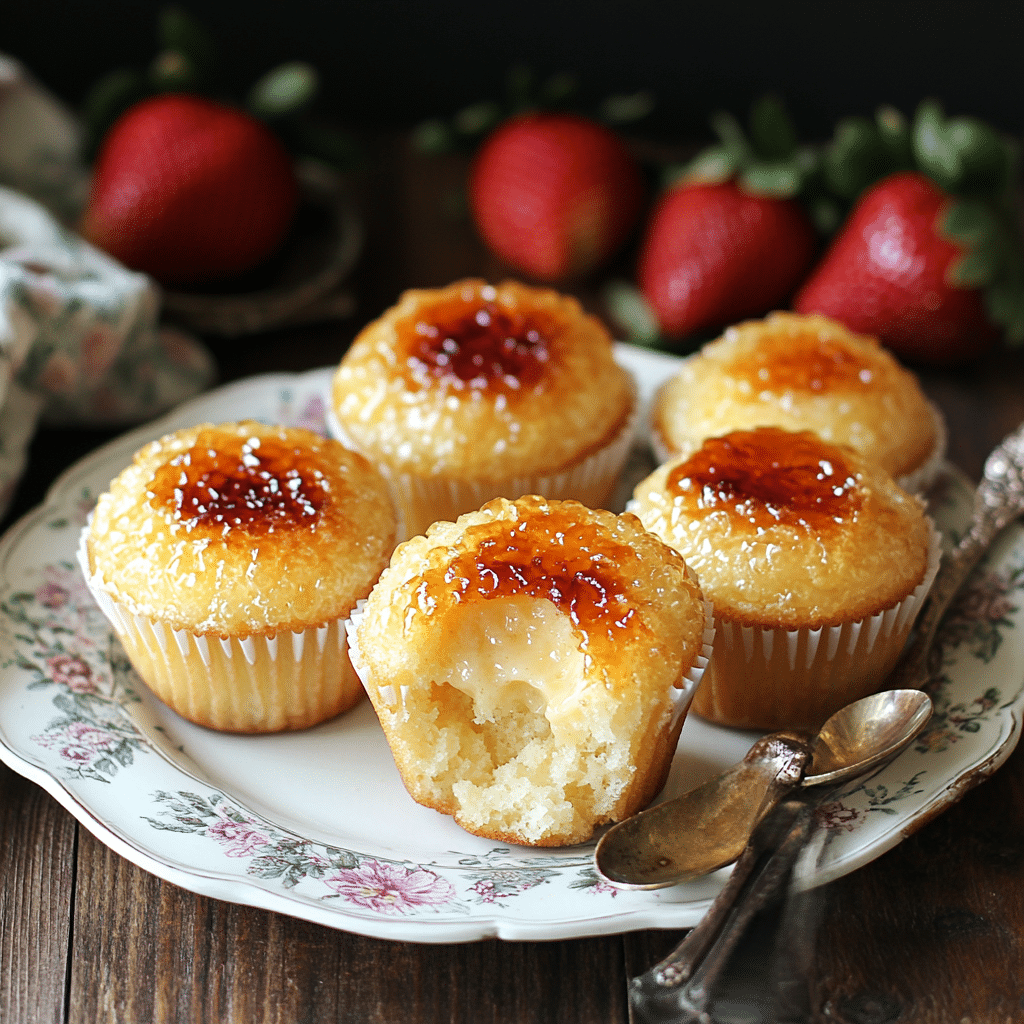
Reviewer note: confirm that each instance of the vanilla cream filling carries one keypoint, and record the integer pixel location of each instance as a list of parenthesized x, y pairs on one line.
[(517, 654)]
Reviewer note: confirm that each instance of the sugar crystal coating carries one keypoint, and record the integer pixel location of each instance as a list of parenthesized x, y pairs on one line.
[(801, 373), (258, 484), (242, 529)]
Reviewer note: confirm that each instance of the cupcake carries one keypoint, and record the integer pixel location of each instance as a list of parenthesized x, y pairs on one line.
[(227, 559), (471, 392), (531, 666), (816, 563), (804, 373)]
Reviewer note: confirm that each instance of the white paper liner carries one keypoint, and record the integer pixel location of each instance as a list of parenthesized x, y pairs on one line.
[(250, 684), (425, 500), (776, 678)]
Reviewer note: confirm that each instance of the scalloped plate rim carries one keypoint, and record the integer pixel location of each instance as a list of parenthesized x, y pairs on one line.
[(627, 912)]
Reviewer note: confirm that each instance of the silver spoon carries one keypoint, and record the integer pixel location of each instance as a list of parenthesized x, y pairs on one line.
[(708, 827), (679, 988)]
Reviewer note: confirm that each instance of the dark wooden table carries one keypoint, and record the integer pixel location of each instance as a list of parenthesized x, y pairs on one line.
[(931, 931)]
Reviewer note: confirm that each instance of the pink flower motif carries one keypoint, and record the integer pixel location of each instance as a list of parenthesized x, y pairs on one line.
[(838, 816), (98, 350), (58, 375), (390, 889), (64, 590), (488, 891), (72, 672), (603, 887), (314, 415), (983, 600), (485, 890), (80, 742), (986, 599), (239, 838), (52, 596)]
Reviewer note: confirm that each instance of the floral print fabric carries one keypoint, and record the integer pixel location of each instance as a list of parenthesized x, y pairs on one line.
[(80, 339)]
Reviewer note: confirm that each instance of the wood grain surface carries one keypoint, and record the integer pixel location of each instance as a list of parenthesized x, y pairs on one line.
[(932, 931)]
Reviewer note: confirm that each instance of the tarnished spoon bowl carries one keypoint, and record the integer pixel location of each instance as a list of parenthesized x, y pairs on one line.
[(708, 827)]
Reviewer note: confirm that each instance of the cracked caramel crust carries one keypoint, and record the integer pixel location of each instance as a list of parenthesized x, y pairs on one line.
[(475, 381), (801, 372), (242, 529), (786, 530)]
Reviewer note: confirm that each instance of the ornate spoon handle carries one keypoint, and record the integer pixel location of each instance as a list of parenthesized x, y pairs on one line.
[(998, 500), (679, 989)]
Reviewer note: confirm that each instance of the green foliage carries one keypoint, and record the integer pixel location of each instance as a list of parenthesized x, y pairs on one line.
[(187, 61), (964, 156), (524, 92)]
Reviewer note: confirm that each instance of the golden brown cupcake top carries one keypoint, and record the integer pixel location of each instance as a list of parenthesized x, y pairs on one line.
[(614, 582), (242, 528), (801, 373), (787, 530), (479, 382)]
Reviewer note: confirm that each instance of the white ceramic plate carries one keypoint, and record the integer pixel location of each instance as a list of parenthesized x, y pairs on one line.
[(317, 824)]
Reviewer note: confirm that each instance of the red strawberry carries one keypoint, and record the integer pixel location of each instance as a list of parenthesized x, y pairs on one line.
[(888, 272), (554, 195), (189, 190), (714, 254)]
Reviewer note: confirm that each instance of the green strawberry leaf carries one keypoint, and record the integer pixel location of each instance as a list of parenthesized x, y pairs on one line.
[(969, 221), (631, 313), (172, 71), (711, 166), (933, 150), (433, 136), (732, 137), (284, 90), (857, 156), (558, 89), (626, 109), (985, 159), (779, 180), (179, 32), (992, 258), (771, 130), (895, 136), (519, 88), (974, 269), (1005, 305), (477, 118)]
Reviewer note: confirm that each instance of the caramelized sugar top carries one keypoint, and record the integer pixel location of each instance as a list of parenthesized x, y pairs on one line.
[(803, 361), (469, 340), (769, 476), (256, 484), (577, 566)]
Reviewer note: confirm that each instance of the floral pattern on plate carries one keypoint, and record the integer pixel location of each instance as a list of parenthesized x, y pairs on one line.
[(184, 803)]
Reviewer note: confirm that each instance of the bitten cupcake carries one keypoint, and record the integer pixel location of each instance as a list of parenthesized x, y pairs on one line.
[(531, 666), (470, 392), (804, 373), (227, 559), (815, 561)]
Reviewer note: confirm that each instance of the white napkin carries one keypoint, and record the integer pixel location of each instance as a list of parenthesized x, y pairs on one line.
[(80, 341)]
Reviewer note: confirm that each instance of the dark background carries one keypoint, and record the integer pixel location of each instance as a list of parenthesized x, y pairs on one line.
[(393, 62)]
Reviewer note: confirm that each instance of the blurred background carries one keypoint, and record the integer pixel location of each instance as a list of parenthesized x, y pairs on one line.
[(394, 62)]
